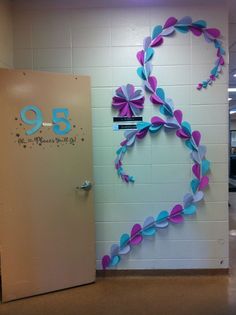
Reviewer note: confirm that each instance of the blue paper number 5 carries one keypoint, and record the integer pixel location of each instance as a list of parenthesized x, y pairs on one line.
[(59, 116), (57, 120)]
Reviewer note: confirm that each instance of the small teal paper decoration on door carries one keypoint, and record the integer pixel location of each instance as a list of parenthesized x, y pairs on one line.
[(171, 122)]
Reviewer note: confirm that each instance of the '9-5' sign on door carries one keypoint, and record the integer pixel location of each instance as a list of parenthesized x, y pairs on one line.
[(60, 120)]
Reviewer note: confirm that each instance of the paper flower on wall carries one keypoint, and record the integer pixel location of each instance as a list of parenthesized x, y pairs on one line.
[(128, 101)]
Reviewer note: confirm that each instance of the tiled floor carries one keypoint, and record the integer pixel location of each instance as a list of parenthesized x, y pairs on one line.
[(211, 295)]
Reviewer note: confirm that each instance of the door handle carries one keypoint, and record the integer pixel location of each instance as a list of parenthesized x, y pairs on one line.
[(87, 185)]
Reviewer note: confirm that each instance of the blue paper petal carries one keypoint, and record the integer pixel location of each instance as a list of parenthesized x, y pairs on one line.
[(190, 210), (194, 185), (124, 239), (160, 92), (186, 128), (142, 125), (182, 29), (154, 128), (205, 167), (200, 23), (115, 260), (156, 31), (141, 74), (149, 53)]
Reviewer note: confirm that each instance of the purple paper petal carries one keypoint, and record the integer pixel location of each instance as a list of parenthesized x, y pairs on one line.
[(188, 200), (125, 250), (196, 170), (213, 32), (175, 214), (196, 137), (203, 182), (157, 41), (136, 237), (198, 196), (187, 20), (153, 83), (168, 31), (155, 99), (149, 221), (146, 42), (178, 115), (106, 261), (202, 151), (196, 30), (170, 22), (115, 250), (140, 57), (157, 121), (181, 134)]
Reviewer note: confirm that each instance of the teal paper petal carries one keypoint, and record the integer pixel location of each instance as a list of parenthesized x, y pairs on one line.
[(190, 210), (160, 92), (189, 144), (205, 167), (115, 260), (124, 239), (162, 216), (200, 23), (142, 125), (119, 150), (214, 70), (194, 185), (149, 53), (154, 128), (182, 29), (166, 110), (141, 74), (156, 31), (149, 232), (186, 128)]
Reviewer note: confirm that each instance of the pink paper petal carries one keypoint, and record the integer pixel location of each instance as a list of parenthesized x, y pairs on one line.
[(196, 30), (170, 22), (222, 61), (157, 121), (140, 57), (181, 134), (213, 32), (175, 214), (136, 238), (196, 137), (106, 261), (153, 83), (146, 42), (203, 182), (196, 170), (155, 99), (157, 41), (141, 134), (178, 115)]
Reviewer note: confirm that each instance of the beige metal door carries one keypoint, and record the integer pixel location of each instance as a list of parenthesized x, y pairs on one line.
[(47, 223)]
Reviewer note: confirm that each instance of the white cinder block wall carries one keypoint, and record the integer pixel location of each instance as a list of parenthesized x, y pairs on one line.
[(6, 39), (103, 43)]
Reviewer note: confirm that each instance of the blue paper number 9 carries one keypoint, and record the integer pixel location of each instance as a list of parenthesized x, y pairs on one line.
[(37, 121)]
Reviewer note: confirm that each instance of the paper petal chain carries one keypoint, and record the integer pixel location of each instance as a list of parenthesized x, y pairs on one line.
[(173, 121)]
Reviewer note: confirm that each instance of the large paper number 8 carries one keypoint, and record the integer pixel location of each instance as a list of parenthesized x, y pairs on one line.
[(129, 103)]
